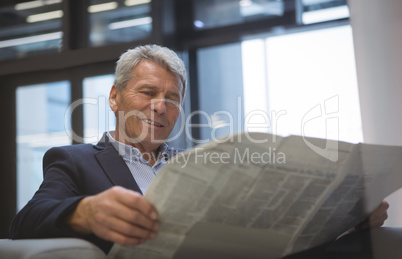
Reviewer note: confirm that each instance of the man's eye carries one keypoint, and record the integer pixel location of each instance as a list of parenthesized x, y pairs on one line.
[(172, 100), (148, 93)]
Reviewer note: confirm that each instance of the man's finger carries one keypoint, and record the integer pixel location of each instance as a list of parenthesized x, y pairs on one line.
[(129, 230), (135, 201), (134, 217), (381, 209)]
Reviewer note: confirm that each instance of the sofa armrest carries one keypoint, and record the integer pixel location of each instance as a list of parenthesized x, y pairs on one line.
[(49, 248)]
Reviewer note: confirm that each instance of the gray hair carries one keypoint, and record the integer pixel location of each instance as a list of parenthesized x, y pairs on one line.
[(162, 56)]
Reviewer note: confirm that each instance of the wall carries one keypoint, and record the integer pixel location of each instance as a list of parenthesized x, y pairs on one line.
[(377, 32)]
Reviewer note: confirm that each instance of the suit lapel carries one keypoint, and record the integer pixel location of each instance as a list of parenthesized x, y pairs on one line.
[(115, 168)]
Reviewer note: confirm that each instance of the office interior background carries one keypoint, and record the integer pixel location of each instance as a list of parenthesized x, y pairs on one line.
[(280, 61)]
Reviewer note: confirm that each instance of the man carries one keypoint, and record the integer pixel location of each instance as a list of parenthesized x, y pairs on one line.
[(77, 197), (94, 192)]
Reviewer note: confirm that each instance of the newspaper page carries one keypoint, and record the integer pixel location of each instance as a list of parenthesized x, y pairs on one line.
[(261, 195), (372, 172)]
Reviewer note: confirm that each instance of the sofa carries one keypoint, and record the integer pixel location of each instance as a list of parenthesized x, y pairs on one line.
[(51, 248), (377, 243)]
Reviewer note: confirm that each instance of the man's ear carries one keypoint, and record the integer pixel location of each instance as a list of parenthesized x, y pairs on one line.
[(112, 99)]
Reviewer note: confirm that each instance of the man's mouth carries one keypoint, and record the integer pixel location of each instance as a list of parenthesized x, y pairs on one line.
[(152, 123)]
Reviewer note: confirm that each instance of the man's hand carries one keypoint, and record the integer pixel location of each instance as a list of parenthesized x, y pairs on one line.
[(377, 218), (118, 215)]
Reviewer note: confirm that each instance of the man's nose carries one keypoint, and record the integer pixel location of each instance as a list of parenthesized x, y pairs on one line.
[(159, 106)]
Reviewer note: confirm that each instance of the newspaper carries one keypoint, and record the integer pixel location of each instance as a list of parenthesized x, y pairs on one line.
[(257, 195)]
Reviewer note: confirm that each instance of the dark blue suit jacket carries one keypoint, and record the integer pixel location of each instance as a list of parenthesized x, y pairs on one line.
[(71, 173)]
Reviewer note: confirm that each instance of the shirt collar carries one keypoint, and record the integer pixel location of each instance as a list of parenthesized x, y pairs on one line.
[(131, 153)]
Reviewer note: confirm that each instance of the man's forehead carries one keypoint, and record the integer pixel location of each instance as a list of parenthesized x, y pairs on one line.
[(143, 65)]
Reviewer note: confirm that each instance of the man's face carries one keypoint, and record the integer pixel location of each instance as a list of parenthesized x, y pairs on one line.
[(148, 107)]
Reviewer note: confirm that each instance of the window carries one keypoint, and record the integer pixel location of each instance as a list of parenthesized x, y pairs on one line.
[(98, 117), (311, 86), (119, 21), (42, 122), (30, 28), (315, 11), (212, 13), (220, 91)]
